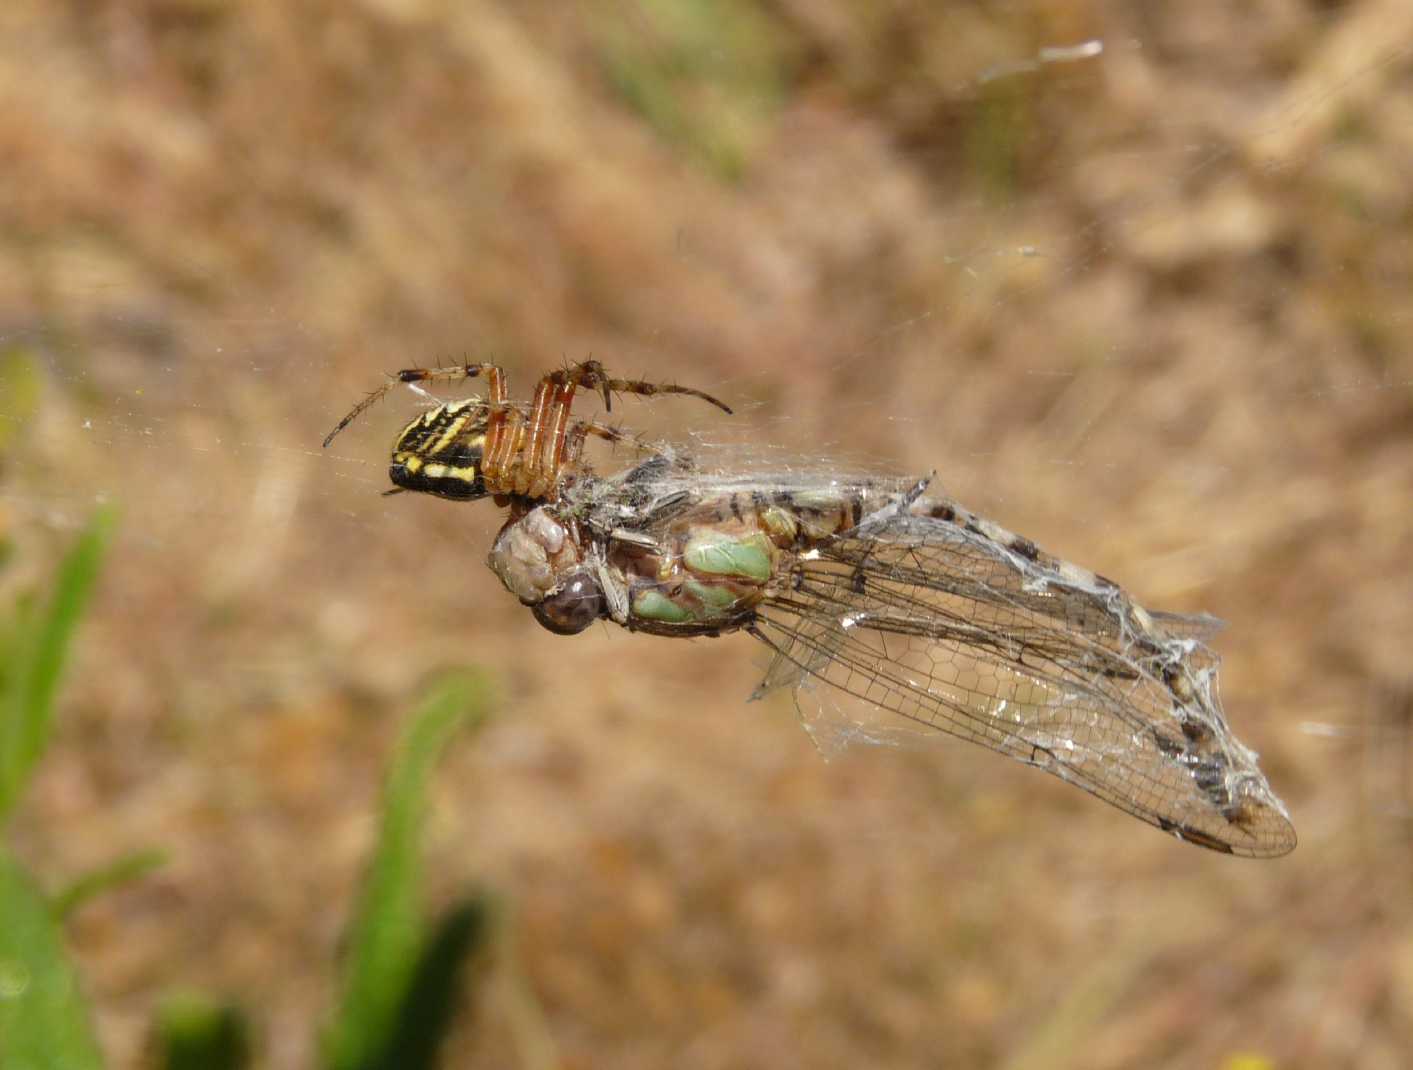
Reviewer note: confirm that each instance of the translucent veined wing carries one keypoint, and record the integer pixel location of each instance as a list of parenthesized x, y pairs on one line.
[(946, 622)]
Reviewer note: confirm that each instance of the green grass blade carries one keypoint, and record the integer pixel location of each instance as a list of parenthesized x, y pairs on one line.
[(129, 867), (430, 1001), (196, 1032), (43, 1018), (388, 934), (37, 654)]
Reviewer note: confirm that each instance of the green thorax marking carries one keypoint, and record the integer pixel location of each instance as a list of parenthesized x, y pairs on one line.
[(718, 553)]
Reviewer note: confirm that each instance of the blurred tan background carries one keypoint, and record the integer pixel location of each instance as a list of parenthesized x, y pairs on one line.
[(1150, 308)]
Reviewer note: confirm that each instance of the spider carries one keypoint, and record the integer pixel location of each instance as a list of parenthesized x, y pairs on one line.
[(474, 447)]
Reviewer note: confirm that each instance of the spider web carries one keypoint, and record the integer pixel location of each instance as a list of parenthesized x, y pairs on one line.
[(1133, 283), (902, 291), (924, 292)]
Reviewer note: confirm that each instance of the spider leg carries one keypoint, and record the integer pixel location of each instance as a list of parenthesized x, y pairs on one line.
[(614, 435), (452, 373), (539, 467), (547, 454), (593, 376), (528, 454), (500, 424), (572, 447), (359, 409), (550, 463), (502, 449), (495, 379)]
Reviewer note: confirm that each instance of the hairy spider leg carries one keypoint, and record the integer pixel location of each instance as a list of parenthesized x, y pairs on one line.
[(545, 450), (547, 462), (592, 376), (539, 466), (549, 396), (358, 410), (572, 448), (495, 379)]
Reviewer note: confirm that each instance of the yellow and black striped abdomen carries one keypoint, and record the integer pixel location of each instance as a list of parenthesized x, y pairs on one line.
[(440, 452)]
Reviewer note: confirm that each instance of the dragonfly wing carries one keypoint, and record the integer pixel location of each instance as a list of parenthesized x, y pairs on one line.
[(952, 628)]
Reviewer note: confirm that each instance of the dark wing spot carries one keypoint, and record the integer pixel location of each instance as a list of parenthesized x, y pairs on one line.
[(943, 511), (1195, 731), (1192, 835), (1210, 776), (1240, 814), (1025, 548), (1170, 747)]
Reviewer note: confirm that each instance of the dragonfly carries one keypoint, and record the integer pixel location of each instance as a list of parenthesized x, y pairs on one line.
[(901, 603)]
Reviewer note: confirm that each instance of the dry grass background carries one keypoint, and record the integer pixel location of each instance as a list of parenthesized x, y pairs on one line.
[(1150, 309)]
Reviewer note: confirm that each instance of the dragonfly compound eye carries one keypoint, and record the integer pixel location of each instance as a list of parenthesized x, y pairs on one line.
[(574, 606)]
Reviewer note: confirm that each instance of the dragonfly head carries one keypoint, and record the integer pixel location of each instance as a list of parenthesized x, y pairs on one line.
[(540, 562), (574, 606)]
